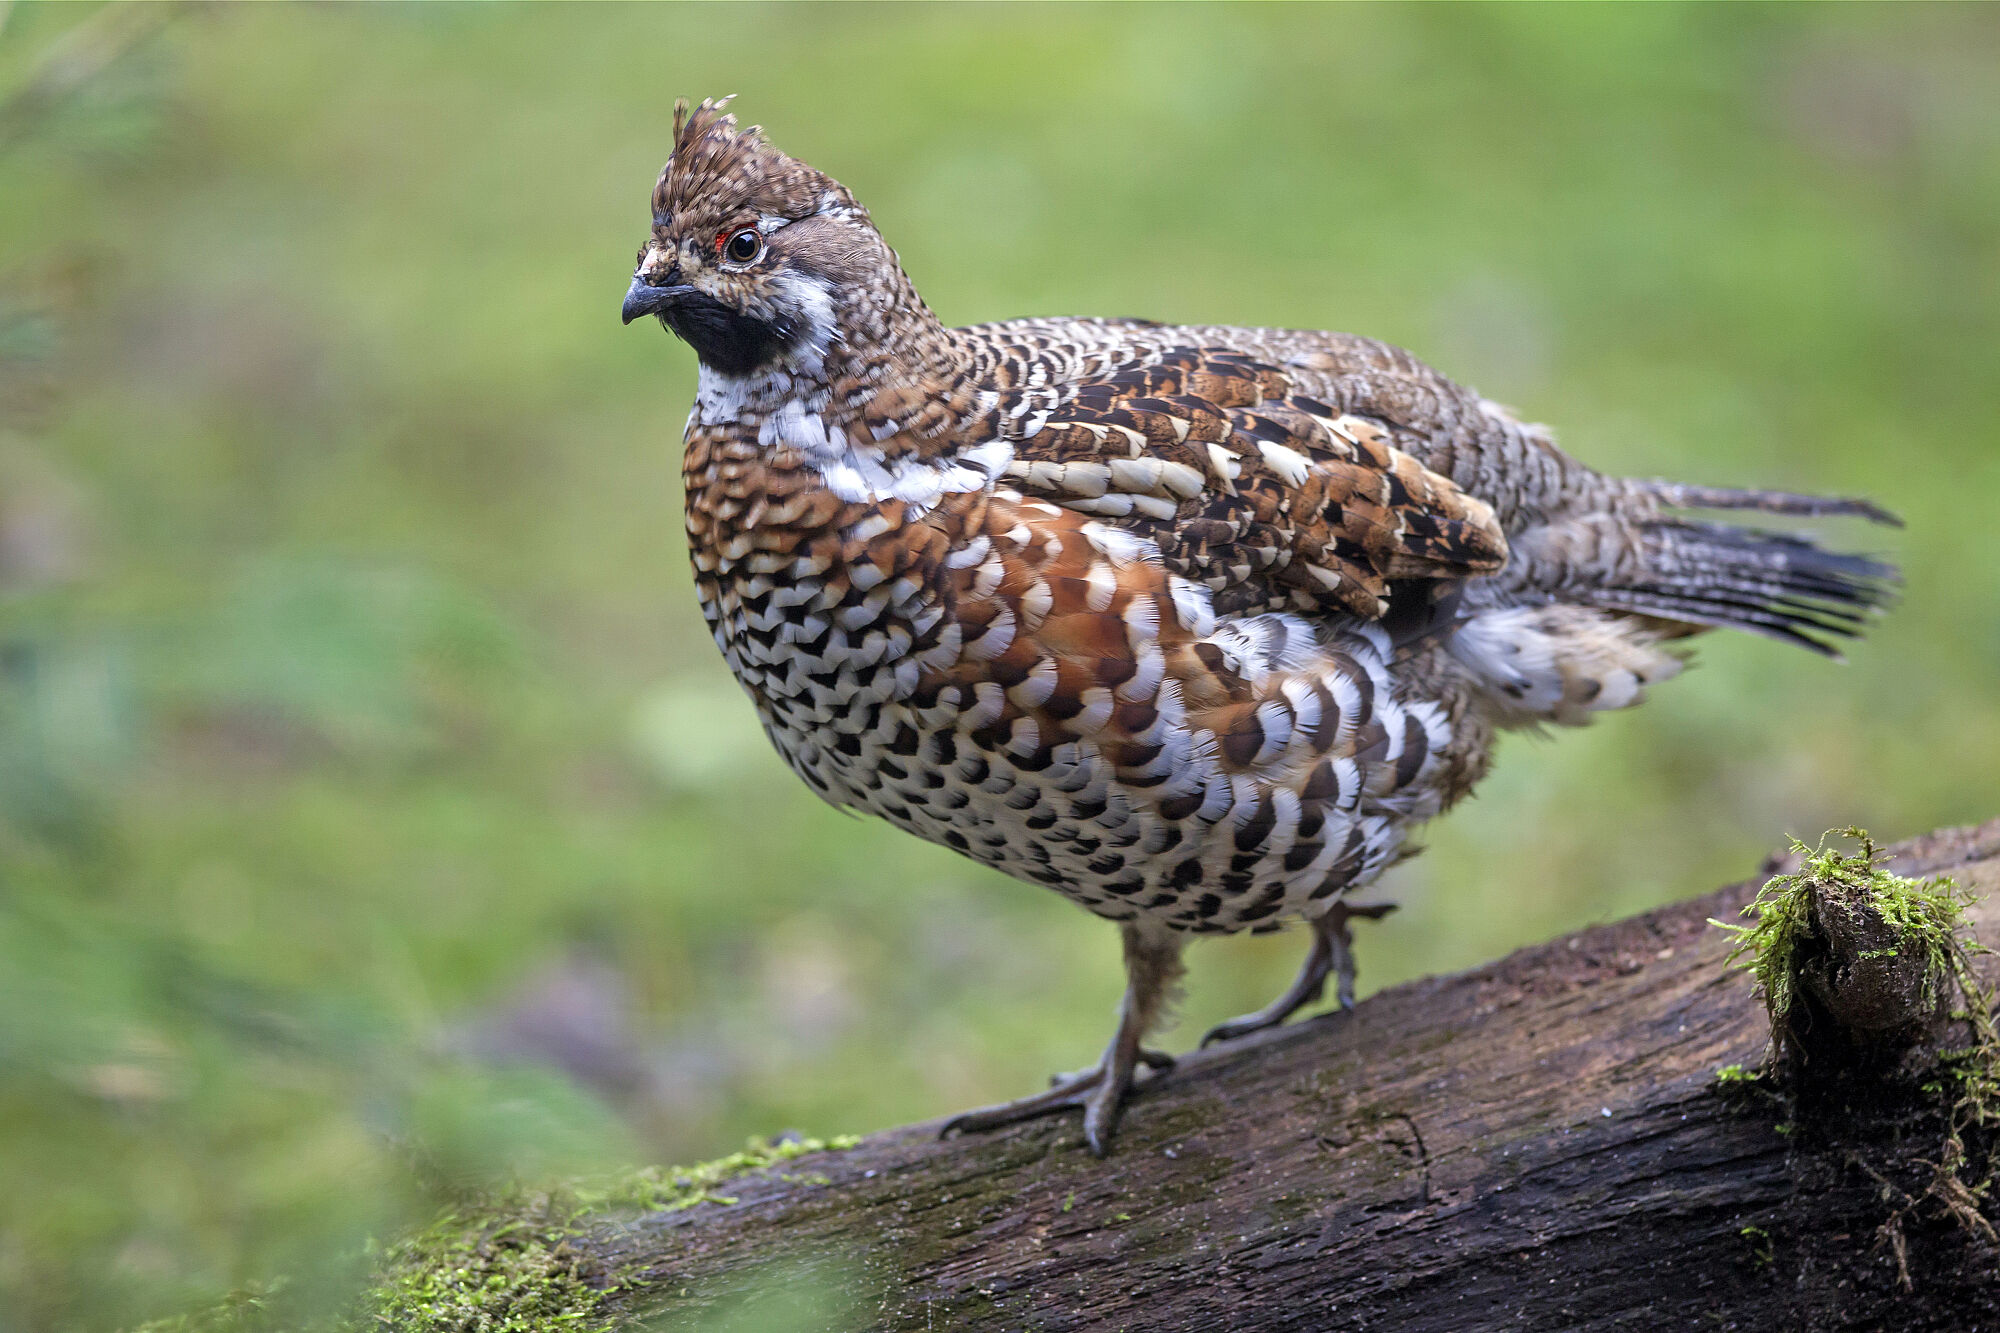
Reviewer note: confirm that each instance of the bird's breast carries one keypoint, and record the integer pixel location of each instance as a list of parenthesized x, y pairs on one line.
[(824, 608)]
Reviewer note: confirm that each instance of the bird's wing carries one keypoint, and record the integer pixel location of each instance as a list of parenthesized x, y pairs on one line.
[(1265, 495)]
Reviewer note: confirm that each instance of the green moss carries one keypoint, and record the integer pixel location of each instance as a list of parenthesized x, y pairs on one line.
[(508, 1264), (509, 1268), (672, 1188), (1925, 916)]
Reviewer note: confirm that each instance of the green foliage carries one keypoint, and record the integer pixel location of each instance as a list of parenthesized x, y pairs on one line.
[(355, 716)]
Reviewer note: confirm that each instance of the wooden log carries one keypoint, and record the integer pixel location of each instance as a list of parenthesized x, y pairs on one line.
[(1543, 1143)]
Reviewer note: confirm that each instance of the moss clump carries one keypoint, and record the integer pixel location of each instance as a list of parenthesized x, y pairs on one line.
[(508, 1264), (507, 1267), (1897, 941)]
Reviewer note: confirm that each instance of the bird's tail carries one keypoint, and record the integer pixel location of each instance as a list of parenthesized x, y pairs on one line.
[(1784, 586), (1770, 502)]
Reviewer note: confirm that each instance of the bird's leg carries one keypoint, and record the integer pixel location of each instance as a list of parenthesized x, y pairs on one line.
[(1148, 1057), (1306, 987), (1332, 953), (1152, 965)]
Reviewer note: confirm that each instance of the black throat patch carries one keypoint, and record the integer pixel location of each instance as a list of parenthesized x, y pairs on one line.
[(727, 340)]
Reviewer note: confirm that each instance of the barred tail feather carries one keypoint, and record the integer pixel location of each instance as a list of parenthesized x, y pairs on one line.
[(1770, 502), (1775, 584)]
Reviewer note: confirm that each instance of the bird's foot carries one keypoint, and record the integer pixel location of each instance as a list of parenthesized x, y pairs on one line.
[(1099, 1090), (1332, 954), (1152, 965), (1271, 1015), (1159, 1060)]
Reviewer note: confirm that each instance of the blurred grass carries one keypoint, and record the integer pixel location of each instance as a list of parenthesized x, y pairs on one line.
[(375, 814)]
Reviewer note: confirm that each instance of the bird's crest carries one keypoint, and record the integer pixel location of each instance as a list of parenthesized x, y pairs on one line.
[(716, 163)]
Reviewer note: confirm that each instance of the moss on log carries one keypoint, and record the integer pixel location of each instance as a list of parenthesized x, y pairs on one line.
[(1575, 1137)]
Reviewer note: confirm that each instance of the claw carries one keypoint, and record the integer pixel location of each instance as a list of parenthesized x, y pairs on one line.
[(1159, 1060), (1331, 954), (1100, 1110), (1064, 1092), (1151, 965)]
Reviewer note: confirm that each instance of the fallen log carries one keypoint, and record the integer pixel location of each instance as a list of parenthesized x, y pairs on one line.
[(1576, 1137)]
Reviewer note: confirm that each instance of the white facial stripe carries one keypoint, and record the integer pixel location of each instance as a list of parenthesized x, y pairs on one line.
[(809, 300)]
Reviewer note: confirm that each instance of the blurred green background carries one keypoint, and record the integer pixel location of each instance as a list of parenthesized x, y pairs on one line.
[(376, 817)]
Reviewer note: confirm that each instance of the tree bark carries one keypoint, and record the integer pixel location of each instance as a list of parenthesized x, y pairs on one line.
[(1542, 1143)]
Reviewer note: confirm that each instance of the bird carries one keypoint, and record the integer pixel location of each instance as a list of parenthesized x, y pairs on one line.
[(1195, 625)]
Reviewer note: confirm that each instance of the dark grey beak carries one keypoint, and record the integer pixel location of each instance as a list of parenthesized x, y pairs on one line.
[(643, 299)]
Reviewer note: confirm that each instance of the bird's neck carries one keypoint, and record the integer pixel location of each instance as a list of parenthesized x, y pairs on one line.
[(882, 405)]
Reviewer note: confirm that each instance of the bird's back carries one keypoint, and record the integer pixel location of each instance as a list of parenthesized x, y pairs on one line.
[(1574, 534)]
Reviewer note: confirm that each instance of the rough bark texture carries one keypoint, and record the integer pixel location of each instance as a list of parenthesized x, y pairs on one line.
[(1538, 1144)]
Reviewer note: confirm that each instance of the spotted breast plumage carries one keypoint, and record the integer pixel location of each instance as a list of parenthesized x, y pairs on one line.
[(1193, 625)]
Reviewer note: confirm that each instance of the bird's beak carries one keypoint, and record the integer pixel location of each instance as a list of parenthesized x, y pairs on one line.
[(645, 299)]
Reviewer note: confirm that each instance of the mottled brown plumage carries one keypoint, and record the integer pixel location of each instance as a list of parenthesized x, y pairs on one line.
[(1191, 624)]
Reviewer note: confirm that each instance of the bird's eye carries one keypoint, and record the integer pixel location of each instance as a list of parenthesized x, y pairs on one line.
[(744, 246)]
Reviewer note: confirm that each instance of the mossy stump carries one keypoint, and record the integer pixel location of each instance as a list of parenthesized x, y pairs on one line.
[(1884, 1056)]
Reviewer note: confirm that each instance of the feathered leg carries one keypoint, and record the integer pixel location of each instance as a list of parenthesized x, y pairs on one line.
[(1152, 966), (1332, 953)]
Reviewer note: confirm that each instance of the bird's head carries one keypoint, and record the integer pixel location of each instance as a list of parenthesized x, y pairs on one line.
[(755, 259)]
